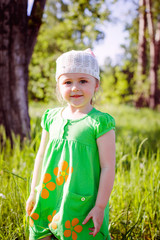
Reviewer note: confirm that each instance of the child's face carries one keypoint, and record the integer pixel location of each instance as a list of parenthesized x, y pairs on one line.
[(77, 89)]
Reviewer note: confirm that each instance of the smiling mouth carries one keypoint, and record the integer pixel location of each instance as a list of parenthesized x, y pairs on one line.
[(76, 96)]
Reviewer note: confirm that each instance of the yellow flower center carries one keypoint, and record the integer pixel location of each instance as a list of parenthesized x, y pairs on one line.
[(63, 174), (43, 185)]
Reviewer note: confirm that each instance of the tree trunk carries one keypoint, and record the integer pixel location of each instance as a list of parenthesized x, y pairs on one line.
[(153, 59), (16, 47), (13, 68), (157, 41), (141, 100), (142, 40)]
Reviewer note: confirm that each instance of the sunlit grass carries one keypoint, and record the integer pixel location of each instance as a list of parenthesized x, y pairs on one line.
[(134, 203)]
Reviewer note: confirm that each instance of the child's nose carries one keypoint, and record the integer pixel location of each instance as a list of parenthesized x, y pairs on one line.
[(75, 87)]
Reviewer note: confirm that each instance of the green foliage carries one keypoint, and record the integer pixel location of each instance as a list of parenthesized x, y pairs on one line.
[(134, 203), (41, 86), (66, 25), (117, 83)]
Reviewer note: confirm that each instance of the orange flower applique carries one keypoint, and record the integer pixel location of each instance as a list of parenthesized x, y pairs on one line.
[(51, 216), (47, 185), (53, 221), (62, 172), (73, 228), (33, 216)]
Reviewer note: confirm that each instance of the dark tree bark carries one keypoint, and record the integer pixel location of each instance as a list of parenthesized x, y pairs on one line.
[(157, 39), (157, 42), (154, 55), (141, 70), (142, 39), (18, 34)]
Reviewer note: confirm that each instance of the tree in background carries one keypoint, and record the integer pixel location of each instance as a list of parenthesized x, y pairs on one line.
[(67, 25), (149, 31), (17, 39), (154, 45), (142, 57), (148, 54), (142, 39)]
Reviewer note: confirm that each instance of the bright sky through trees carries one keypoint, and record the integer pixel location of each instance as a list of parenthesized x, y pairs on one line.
[(122, 12)]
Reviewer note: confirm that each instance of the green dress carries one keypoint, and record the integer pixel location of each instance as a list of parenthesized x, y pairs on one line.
[(70, 177)]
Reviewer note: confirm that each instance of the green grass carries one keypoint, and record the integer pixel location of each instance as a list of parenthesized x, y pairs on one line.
[(134, 203)]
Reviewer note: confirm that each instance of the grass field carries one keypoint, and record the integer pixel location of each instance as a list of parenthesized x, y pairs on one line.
[(135, 199)]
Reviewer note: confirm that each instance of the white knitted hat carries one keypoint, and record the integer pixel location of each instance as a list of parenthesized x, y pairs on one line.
[(77, 62)]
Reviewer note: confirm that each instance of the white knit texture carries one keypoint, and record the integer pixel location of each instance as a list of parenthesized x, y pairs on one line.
[(77, 62)]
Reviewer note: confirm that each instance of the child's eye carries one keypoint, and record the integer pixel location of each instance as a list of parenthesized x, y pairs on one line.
[(83, 81), (67, 82)]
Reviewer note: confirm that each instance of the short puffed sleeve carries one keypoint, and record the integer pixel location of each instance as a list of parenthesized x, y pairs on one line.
[(44, 120), (105, 123)]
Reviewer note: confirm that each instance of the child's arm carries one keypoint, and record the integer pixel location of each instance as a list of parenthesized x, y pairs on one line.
[(37, 171), (106, 147)]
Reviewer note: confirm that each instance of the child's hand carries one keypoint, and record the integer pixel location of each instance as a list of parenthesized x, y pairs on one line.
[(30, 203), (97, 215)]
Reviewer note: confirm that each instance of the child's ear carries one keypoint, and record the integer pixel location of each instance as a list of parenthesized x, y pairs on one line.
[(97, 85)]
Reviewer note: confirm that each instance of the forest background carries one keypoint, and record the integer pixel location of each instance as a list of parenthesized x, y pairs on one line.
[(130, 79), (129, 92)]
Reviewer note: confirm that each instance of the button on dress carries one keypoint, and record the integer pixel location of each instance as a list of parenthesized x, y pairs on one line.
[(70, 177)]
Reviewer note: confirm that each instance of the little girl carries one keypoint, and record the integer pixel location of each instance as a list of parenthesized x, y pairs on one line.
[(75, 164)]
